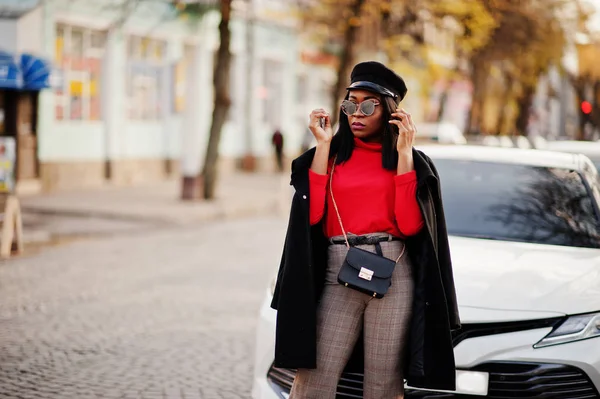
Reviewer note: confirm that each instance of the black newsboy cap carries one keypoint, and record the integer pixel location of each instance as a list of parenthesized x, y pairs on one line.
[(375, 77)]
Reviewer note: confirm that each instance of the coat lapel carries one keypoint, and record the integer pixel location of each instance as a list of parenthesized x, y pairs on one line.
[(300, 167), (422, 167), (426, 178)]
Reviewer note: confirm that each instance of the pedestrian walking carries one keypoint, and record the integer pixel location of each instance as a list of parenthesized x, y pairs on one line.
[(277, 141), (365, 282)]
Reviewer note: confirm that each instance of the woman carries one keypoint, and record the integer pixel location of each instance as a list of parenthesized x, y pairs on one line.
[(368, 181)]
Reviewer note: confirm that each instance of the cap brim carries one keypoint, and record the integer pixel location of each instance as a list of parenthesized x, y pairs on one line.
[(372, 87)]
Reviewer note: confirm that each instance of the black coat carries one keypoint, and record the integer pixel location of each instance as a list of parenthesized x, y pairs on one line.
[(301, 277)]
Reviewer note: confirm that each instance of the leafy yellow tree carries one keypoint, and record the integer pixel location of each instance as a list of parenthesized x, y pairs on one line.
[(335, 25), (529, 37), (588, 81), (466, 22), (394, 28)]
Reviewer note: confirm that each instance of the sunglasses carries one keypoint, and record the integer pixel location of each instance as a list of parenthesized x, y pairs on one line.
[(367, 107)]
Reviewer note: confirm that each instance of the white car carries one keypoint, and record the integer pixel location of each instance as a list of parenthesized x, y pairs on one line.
[(591, 149), (524, 231)]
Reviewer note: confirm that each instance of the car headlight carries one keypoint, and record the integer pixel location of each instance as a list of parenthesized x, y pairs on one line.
[(575, 328)]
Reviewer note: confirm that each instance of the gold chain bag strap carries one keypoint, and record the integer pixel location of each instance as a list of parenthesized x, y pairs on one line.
[(364, 271)]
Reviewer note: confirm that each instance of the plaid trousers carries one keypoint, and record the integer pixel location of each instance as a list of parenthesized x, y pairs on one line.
[(341, 315)]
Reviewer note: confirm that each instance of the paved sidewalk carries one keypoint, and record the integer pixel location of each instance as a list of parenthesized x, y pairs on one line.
[(238, 195), (168, 314)]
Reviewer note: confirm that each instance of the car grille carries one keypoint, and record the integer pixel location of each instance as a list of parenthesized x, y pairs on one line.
[(508, 380), (349, 386)]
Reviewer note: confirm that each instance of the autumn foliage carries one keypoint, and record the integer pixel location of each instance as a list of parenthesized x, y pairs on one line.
[(513, 41)]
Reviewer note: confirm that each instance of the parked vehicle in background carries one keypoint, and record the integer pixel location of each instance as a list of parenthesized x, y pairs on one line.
[(442, 133), (519, 141)]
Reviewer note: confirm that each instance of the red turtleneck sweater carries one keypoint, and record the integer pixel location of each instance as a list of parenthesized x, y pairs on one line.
[(370, 198)]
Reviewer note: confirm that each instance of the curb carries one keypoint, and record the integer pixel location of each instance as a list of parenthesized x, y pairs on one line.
[(88, 214), (34, 236), (221, 213)]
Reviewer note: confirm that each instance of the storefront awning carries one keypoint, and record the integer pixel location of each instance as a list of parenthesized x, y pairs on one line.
[(26, 72), (13, 9), (36, 72), (10, 73)]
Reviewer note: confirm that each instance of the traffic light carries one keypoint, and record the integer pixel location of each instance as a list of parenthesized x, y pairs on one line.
[(586, 107)]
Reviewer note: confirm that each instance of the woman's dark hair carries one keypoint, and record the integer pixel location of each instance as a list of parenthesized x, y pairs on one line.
[(343, 141)]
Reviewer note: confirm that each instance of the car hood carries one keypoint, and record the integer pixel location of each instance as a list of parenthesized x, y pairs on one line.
[(523, 281)]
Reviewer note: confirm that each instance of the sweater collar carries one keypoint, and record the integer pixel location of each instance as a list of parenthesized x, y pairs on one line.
[(358, 143), (423, 166)]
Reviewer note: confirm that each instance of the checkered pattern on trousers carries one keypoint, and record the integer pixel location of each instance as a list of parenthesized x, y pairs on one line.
[(342, 313)]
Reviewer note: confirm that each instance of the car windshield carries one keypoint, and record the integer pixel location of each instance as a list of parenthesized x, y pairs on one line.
[(517, 203)]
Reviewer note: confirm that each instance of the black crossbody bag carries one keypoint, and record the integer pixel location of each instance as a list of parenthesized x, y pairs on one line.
[(364, 271)]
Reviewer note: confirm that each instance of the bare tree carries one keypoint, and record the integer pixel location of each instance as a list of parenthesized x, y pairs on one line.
[(222, 101)]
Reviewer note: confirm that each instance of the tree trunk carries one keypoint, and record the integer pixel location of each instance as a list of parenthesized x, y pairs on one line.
[(475, 112), (442, 102), (346, 60), (579, 87), (503, 114), (502, 117), (524, 104), (222, 102), (596, 105)]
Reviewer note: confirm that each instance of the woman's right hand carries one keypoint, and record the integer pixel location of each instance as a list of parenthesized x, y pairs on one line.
[(322, 135)]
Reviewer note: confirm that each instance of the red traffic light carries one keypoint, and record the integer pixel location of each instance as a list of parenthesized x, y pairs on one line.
[(586, 107)]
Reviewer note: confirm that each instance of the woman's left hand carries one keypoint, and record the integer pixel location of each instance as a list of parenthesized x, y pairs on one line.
[(406, 130)]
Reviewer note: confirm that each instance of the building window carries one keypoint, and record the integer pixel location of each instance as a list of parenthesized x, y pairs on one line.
[(180, 78), (235, 109), (302, 89), (144, 82), (272, 92), (78, 53)]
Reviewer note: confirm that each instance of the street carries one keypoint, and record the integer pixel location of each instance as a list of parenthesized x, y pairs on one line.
[(141, 314)]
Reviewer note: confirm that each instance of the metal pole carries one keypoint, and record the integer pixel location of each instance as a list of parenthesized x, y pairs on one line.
[(249, 161)]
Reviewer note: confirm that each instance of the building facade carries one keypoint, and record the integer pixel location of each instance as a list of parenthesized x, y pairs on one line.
[(131, 94)]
